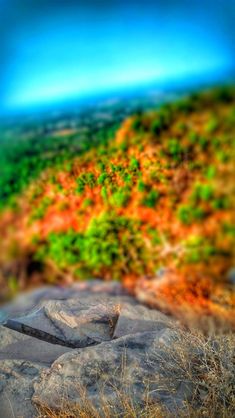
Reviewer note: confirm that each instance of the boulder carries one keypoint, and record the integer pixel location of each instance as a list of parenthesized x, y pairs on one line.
[(137, 318), (134, 366), (95, 343), (25, 302), (17, 346), (17, 378), (73, 323)]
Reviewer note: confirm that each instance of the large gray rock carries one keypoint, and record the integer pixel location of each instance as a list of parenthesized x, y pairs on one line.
[(25, 302), (73, 323), (100, 340), (136, 366), (17, 378), (17, 346), (137, 318)]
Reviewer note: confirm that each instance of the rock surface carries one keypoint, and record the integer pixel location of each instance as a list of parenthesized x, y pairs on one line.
[(99, 340), (73, 323), (25, 302), (17, 378), (17, 346), (133, 319), (131, 364)]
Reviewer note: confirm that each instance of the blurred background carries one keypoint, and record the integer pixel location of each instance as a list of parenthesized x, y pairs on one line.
[(55, 50)]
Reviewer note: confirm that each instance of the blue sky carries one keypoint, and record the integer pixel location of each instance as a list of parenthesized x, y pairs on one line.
[(53, 50)]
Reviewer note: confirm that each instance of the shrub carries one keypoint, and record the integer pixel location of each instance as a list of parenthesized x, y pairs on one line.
[(134, 164), (174, 149), (110, 244), (127, 178), (210, 172), (137, 123), (115, 243), (121, 197), (104, 194), (187, 214), (124, 146), (63, 248), (85, 179), (151, 198), (101, 179), (141, 186), (40, 211), (199, 249), (157, 126), (88, 202), (212, 125), (202, 193)]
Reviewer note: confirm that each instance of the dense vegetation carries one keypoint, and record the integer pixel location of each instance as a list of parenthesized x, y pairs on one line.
[(28, 157), (160, 194)]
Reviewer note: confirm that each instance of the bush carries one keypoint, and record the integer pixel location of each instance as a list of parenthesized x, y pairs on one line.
[(40, 211), (63, 248), (174, 149), (187, 214), (110, 244), (121, 197), (199, 249), (85, 179), (150, 200), (134, 164), (202, 193)]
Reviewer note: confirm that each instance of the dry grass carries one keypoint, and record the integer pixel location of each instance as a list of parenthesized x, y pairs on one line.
[(206, 364), (88, 411)]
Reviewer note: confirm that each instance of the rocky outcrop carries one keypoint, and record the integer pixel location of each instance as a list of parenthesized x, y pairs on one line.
[(133, 319), (17, 346), (99, 341), (16, 388), (133, 365), (25, 302)]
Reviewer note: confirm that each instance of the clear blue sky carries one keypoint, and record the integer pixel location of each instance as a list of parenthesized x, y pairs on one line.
[(52, 50)]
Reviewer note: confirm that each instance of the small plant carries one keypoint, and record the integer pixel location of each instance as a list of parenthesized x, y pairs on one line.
[(229, 229), (203, 142), (124, 146), (212, 125), (88, 202), (102, 178), (127, 178), (210, 172), (40, 211), (85, 179), (187, 214), (104, 194), (222, 156), (151, 198), (220, 203), (121, 197), (134, 164), (174, 149), (156, 127), (154, 235), (198, 249), (137, 124), (141, 186), (202, 192), (193, 137)]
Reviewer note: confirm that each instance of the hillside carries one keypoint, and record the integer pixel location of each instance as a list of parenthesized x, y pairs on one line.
[(152, 207)]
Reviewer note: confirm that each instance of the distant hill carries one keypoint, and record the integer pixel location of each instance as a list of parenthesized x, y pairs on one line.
[(153, 207)]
